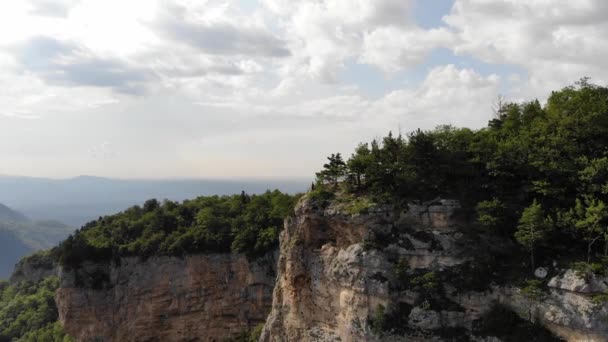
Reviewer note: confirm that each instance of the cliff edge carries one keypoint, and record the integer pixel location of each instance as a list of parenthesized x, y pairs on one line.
[(418, 273)]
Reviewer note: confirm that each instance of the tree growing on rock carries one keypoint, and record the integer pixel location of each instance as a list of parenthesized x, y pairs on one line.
[(590, 218), (333, 171), (532, 229)]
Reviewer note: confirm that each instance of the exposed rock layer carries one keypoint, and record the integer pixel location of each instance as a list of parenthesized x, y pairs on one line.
[(198, 298), (336, 271)]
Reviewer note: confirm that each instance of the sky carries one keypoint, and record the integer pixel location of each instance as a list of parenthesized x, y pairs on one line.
[(267, 88)]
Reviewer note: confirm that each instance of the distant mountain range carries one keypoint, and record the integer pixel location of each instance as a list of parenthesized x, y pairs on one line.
[(76, 201), (37, 213)]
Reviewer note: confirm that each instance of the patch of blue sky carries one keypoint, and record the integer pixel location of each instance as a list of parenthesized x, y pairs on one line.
[(429, 13), (375, 83), (249, 5)]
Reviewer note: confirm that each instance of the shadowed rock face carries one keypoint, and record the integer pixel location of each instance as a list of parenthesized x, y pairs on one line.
[(198, 298), (331, 283)]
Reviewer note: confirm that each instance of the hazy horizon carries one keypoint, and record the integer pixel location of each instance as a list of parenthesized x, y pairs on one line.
[(169, 178)]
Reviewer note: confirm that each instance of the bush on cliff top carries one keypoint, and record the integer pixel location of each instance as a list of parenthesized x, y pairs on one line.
[(243, 223)]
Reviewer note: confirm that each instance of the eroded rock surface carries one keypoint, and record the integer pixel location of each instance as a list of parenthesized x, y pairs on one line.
[(197, 298), (339, 273)]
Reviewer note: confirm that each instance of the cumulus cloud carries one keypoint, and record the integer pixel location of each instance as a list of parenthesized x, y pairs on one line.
[(51, 8), (219, 83), (556, 42), (392, 49), (323, 34), (68, 64), (448, 95), (220, 34)]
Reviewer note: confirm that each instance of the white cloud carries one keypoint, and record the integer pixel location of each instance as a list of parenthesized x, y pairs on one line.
[(202, 86), (448, 95), (556, 42), (392, 49), (219, 31), (323, 34)]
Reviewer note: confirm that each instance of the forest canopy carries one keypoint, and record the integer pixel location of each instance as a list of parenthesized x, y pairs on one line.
[(248, 224), (28, 312), (538, 174)]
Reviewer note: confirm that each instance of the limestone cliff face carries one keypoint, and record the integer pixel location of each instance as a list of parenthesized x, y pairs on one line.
[(338, 277), (197, 298), (338, 272)]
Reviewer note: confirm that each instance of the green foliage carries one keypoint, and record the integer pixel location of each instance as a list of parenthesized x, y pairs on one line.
[(429, 286), (533, 290), (491, 214), (588, 269), (590, 218), (353, 204), (28, 312), (377, 322), (20, 236), (321, 195), (333, 171), (600, 299), (533, 228), (252, 335), (240, 223), (427, 283)]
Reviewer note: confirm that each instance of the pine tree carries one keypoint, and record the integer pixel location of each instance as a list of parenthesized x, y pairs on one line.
[(532, 229)]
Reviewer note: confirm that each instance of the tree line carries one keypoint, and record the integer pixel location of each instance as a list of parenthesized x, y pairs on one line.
[(538, 174), (244, 223)]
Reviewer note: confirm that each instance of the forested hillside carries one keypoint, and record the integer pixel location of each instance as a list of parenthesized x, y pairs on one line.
[(9, 215), (11, 250), (20, 236), (28, 312), (242, 223)]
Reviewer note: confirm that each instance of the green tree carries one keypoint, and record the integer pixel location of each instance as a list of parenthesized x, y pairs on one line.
[(359, 163), (333, 171), (590, 218), (491, 213), (532, 229)]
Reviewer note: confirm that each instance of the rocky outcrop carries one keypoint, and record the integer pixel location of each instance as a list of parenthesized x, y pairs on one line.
[(197, 298), (342, 277), (335, 270), (34, 268)]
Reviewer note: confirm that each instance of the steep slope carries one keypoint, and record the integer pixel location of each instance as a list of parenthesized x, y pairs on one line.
[(20, 236), (9, 215), (11, 250)]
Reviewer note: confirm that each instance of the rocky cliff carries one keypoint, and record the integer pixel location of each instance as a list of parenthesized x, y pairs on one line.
[(416, 273), (197, 298), (345, 272)]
